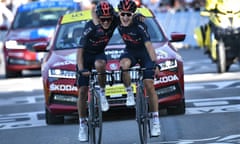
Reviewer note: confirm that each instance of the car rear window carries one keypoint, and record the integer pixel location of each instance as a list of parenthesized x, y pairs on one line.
[(38, 18)]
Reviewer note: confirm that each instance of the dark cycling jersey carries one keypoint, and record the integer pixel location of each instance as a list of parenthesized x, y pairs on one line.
[(95, 38), (134, 35)]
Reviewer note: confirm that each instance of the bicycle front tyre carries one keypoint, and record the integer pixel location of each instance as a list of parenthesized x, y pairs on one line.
[(142, 115), (95, 119)]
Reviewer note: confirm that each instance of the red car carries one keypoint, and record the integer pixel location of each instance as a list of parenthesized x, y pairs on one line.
[(58, 67), (34, 22)]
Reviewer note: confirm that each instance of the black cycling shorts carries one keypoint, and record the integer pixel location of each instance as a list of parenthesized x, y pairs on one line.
[(143, 59), (89, 60)]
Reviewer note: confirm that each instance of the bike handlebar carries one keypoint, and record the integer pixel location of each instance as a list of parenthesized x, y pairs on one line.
[(115, 75)]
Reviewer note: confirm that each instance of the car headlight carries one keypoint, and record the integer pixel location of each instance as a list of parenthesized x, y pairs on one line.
[(168, 64), (58, 73), (11, 44)]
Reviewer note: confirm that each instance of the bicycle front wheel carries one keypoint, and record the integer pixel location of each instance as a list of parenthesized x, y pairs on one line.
[(142, 115), (95, 119)]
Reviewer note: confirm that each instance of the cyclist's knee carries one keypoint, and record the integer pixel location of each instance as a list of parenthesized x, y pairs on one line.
[(125, 63), (148, 83), (100, 64)]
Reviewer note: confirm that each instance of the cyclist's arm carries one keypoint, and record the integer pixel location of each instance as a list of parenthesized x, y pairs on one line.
[(94, 16), (150, 50), (80, 58), (88, 29), (147, 42), (138, 17)]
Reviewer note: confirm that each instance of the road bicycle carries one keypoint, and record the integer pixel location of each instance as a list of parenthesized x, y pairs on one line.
[(142, 104), (94, 105), (94, 108)]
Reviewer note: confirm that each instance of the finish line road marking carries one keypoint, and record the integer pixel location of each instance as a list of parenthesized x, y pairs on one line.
[(194, 106)]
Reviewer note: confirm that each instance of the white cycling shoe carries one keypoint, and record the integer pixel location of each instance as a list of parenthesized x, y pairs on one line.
[(155, 130), (83, 133), (130, 100), (104, 103)]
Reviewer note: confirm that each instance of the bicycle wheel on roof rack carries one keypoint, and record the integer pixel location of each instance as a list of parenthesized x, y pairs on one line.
[(142, 115), (95, 119)]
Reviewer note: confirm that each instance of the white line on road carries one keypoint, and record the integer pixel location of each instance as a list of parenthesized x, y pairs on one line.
[(31, 119)]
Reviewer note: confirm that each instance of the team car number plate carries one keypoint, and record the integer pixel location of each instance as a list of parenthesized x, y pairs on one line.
[(117, 90)]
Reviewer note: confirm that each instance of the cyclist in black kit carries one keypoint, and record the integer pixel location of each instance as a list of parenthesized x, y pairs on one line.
[(138, 50), (95, 37)]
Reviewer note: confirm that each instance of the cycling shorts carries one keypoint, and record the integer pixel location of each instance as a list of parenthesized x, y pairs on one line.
[(89, 60), (144, 60)]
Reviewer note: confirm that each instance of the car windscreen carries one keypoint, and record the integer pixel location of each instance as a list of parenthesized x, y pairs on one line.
[(38, 17), (69, 34)]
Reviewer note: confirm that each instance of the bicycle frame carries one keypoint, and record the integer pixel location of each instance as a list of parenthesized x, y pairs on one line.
[(95, 109), (142, 105), (94, 112)]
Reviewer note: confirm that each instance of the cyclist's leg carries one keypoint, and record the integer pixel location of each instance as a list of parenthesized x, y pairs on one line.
[(82, 110), (126, 61), (82, 84), (150, 90), (100, 64)]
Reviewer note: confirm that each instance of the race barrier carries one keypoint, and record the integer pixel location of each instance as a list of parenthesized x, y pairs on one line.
[(184, 22)]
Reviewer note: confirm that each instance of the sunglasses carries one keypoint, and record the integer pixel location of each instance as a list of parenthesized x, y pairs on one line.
[(127, 14), (105, 19)]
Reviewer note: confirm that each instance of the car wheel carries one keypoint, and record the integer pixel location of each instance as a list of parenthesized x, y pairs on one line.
[(53, 119), (179, 108), (221, 57), (11, 74)]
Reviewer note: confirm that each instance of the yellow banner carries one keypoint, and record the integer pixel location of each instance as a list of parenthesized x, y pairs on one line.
[(118, 89), (86, 15), (77, 16)]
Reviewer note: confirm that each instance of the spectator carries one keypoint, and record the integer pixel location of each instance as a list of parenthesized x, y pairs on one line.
[(6, 16), (152, 4)]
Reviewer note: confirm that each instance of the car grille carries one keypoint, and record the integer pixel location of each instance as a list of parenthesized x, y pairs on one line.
[(63, 99), (117, 101), (22, 62)]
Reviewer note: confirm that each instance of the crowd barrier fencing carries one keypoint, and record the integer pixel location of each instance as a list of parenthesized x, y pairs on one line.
[(184, 22)]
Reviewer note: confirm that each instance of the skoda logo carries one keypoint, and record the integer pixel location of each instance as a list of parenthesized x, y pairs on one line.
[(113, 66)]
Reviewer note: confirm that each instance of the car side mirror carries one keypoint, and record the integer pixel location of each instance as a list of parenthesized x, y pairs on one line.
[(177, 37), (41, 46)]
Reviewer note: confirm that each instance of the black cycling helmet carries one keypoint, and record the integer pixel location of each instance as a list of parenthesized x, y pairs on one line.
[(127, 5), (104, 8)]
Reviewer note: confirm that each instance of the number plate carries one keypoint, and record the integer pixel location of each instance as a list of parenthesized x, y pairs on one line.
[(117, 90)]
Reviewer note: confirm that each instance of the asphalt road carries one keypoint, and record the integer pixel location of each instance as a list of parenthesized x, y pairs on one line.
[(212, 114)]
